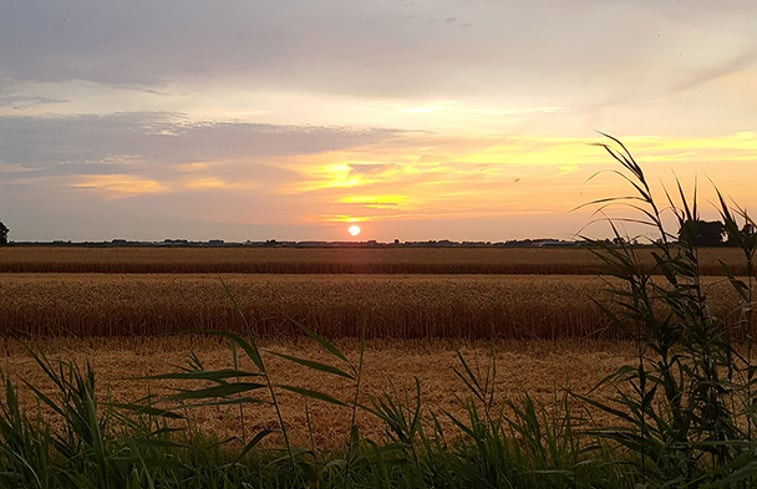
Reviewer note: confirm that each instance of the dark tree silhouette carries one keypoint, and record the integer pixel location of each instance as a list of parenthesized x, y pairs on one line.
[(702, 233), (3, 234)]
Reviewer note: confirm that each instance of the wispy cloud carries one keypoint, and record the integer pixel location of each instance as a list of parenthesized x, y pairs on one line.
[(118, 186), (722, 68), (20, 102), (158, 146), (390, 49)]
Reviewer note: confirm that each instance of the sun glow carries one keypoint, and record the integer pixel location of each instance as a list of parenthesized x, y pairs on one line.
[(354, 230)]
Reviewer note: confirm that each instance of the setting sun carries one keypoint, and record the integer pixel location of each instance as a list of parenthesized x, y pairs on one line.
[(354, 230)]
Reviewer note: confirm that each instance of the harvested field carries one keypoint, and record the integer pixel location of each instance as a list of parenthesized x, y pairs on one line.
[(540, 368), (353, 260), (391, 306)]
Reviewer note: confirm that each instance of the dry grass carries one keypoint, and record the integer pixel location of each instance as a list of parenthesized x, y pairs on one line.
[(392, 306), (75, 259), (539, 368)]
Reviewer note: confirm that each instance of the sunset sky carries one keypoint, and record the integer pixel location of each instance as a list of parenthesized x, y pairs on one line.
[(463, 120)]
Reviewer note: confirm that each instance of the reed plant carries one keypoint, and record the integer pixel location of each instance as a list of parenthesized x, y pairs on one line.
[(686, 408)]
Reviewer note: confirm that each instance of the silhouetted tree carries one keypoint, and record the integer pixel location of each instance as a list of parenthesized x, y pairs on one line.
[(702, 233), (3, 234)]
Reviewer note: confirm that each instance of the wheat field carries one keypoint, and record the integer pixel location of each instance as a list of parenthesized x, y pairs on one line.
[(390, 306), (341, 260)]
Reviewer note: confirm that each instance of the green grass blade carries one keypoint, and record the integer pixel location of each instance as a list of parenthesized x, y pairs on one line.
[(321, 367), (214, 375), (248, 347), (142, 409), (321, 341), (224, 390), (313, 394), (260, 436)]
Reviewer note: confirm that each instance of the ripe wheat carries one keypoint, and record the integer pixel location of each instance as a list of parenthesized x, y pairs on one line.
[(391, 306)]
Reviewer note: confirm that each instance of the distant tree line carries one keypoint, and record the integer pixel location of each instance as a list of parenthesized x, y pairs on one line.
[(700, 232), (711, 233)]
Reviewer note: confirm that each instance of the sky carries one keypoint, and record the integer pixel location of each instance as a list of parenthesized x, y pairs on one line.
[(416, 120)]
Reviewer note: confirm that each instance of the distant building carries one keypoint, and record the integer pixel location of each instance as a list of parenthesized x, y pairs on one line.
[(3, 234), (546, 243)]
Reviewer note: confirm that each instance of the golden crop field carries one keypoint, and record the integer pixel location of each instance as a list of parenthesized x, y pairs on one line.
[(390, 306), (354, 260)]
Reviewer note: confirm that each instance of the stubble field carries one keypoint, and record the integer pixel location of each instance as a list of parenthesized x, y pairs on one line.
[(541, 369)]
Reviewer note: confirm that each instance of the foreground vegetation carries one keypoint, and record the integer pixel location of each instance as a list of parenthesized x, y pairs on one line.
[(86, 443), (685, 409), (537, 367)]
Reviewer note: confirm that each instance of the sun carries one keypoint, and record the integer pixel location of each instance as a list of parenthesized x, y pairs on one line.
[(354, 230)]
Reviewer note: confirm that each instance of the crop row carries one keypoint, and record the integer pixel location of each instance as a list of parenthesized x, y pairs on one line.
[(344, 260), (482, 306)]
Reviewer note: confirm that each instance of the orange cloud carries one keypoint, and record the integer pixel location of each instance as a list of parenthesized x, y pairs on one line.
[(203, 183), (432, 176), (119, 186)]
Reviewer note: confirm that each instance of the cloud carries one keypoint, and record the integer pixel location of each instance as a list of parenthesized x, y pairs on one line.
[(127, 155), (386, 48), (20, 102), (127, 142), (244, 110), (116, 186), (721, 69)]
